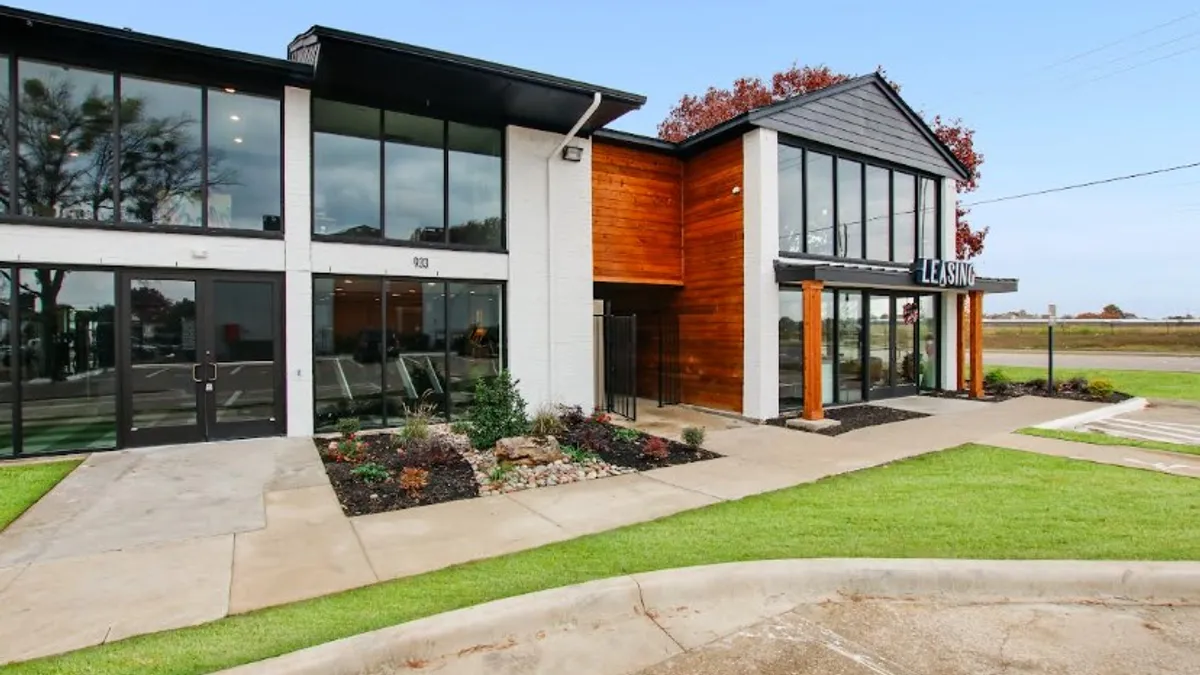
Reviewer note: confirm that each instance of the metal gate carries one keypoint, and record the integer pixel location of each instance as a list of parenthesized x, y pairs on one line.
[(668, 360), (618, 335)]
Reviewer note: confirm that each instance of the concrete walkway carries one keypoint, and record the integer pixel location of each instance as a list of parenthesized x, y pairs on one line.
[(1135, 458), (147, 540)]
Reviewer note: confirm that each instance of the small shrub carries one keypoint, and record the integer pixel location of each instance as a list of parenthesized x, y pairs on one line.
[(431, 451), (413, 480), (1101, 388), (498, 411), (626, 435), (1077, 383), (996, 378), (571, 415), (370, 472), (417, 418), (460, 427), (500, 472), (693, 436), (1036, 383), (656, 449), (348, 426), (545, 423), (578, 455), (598, 415), (594, 438)]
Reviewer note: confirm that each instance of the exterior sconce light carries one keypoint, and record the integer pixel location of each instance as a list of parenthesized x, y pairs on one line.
[(572, 153)]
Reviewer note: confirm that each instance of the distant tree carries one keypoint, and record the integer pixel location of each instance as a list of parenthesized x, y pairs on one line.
[(694, 114)]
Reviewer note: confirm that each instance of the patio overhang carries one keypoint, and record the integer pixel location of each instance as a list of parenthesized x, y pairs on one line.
[(895, 277)]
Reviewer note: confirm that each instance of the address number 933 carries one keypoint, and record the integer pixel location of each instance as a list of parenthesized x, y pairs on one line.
[(421, 262)]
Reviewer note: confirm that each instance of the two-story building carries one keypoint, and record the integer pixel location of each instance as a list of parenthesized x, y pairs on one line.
[(199, 244)]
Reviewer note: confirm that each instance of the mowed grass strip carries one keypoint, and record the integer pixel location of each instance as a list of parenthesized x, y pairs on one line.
[(1097, 438), (968, 502), (1182, 339), (21, 485), (1147, 383)]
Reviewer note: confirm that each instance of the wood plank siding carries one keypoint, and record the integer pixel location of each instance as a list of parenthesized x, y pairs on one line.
[(636, 234)]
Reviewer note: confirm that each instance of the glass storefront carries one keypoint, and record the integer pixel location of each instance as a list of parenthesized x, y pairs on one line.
[(384, 346)]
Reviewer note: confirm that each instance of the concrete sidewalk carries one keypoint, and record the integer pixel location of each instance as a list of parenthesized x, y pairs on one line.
[(154, 539), (1135, 458)]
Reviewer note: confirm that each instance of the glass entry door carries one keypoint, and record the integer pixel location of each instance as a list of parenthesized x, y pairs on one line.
[(892, 347), (201, 357)]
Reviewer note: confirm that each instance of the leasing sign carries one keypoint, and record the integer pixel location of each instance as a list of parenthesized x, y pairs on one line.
[(943, 273)]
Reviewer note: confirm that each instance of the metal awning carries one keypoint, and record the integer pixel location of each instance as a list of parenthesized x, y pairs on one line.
[(893, 277)]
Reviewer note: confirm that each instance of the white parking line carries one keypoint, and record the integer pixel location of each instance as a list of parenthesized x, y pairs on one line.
[(160, 371), (342, 379), (237, 370), (232, 398)]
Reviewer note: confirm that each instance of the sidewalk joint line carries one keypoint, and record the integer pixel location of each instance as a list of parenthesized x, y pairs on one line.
[(649, 615), (548, 519), (685, 489)]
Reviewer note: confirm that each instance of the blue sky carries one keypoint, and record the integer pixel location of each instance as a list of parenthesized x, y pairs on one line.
[(1038, 124)]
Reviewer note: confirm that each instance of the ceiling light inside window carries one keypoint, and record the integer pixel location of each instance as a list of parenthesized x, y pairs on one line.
[(235, 118), (237, 140), (55, 137), (73, 153), (230, 90)]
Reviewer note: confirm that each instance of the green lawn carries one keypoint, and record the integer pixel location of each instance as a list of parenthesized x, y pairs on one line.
[(1148, 383), (22, 485), (968, 502), (1097, 438)]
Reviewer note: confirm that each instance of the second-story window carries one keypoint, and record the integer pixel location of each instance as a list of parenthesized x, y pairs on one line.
[(391, 176), (927, 225)]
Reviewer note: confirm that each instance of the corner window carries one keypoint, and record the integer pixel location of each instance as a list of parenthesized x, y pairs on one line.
[(927, 220), (904, 217), (818, 203), (384, 175), (791, 199)]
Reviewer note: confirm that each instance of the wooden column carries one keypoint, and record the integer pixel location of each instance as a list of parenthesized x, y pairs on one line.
[(960, 354), (811, 292), (976, 344)]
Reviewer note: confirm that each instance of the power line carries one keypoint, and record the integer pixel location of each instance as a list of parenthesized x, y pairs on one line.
[(1123, 57), (1136, 65), (1122, 40), (1083, 185)]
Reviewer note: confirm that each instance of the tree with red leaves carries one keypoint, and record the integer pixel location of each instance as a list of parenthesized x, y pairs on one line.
[(694, 114)]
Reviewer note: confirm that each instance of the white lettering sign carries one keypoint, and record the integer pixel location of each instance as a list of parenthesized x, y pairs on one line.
[(944, 273)]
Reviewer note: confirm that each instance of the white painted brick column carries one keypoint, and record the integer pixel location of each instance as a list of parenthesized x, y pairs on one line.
[(298, 290), (949, 364), (760, 200)]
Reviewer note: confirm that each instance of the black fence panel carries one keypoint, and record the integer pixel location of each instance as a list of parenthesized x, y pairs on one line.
[(619, 334)]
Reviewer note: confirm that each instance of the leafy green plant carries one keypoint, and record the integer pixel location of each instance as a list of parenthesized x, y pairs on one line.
[(461, 427), (996, 378), (1101, 388), (545, 423), (417, 419), (348, 426), (500, 472), (656, 449), (370, 472), (693, 436), (626, 435), (498, 411), (413, 480), (579, 455)]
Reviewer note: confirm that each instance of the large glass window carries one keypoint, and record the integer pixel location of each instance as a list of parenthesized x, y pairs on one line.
[(8, 363), (904, 217), (414, 178), (476, 185), (829, 337), (818, 205), (927, 334), (382, 347), (927, 220), (849, 342), (66, 346), (5, 150), (437, 182), (849, 209), (66, 149), (162, 161), (791, 349), (879, 214), (791, 199), (346, 172), (244, 162)]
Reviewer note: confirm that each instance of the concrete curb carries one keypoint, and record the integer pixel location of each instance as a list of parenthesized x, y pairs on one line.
[(628, 623), (1072, 421)]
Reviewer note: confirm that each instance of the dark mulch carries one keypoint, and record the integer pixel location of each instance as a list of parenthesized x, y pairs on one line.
[(603, 439), (1075, 390), (858, 417), (450, 476)]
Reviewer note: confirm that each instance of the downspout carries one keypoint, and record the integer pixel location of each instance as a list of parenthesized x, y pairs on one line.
[(587, 115)]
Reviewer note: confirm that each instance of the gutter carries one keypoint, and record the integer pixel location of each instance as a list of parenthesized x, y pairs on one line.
[(587, 114)]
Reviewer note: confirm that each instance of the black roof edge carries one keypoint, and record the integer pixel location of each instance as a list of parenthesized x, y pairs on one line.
[(298, 70), (492, 67), (635, 140)]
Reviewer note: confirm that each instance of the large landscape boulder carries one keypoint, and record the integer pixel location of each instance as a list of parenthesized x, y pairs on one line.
[(528, 450)]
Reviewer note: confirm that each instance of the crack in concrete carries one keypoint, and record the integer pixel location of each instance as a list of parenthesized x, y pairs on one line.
[(651, 616)]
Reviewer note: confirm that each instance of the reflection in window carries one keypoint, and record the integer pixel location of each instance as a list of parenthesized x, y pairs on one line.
[(414, 178), (818, 204), (416, 372), (66, 148), (849, 339), (8, 361), (791, 199), (904, 246), (66, 346), (849, 209), (349, 345), (5, 193), (475, 334), (907, 359), (161, 158), (828, 335), (791, 348), (879, 212), (345, 169), (927, 334), (927, 222), (476, 185), (244, 162)]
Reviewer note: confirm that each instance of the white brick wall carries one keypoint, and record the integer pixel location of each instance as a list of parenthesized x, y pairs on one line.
[(760, 194), (550, 270), (68, 246), (297, 219), (949, 307)]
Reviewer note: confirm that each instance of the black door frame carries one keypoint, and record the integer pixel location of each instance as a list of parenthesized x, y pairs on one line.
[(893, 389), (205, 368)]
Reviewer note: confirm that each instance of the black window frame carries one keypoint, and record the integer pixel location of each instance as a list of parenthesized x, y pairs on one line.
[(864, 161), (13, 217), (382, 240), (380, 283)]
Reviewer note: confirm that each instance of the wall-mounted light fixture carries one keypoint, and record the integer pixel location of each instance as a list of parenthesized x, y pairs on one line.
[(572, 153)]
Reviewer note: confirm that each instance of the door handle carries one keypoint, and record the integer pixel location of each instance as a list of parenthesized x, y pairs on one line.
[(214, 373), (195, 372)]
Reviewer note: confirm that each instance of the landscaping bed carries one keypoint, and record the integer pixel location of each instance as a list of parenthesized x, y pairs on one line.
[(496, 450), (999, 386), (856, 417)]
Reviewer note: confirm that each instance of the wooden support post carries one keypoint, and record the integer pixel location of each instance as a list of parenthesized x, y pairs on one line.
[(976, 344), (811, 294), (960, 377)]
